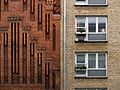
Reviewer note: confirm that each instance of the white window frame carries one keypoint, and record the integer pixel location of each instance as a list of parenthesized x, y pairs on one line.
[(86, 3), (86, 27), (86, 63)]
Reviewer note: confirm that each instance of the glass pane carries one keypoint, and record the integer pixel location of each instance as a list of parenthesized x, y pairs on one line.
[(81, 58), (80, 89), (97, 37), (96, 1), (80, 66), (96, 72), (91, 64), (81, 21), (101, 89), (101, 60), (81, 0), (80, 72), (91, 60), (92, 56), (92, 24), (102, 24), (90, 89)]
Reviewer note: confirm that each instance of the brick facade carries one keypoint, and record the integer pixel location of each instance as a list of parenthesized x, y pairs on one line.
[(30, 44), (112, 47)]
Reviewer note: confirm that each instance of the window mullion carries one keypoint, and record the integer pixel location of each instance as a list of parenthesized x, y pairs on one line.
[(106, 24), (106, 61), (96, 60), (96, 24), (75, 22), (75, 59), (87, 2), (86, 62), (86, 24)]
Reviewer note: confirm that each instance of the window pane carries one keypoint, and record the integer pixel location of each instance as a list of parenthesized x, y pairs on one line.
[(96, 1), (80, 72), (92, 24), (90, 89), (81, 21), (91, 64), (81, 0), (97, 37), (101, 60), (91, 60), (81, 58), (92, 56), (96, 72), (80, 89), (101, 89), (102, 24), (80, 65)]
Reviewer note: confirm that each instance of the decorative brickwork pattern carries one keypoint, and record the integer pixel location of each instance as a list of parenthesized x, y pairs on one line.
[(30, 44)]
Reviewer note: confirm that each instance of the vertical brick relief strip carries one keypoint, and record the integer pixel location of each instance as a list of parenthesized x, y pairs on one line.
[(15, 52), (32, 10), (0, 9), (47, 75), (24, 5), (24, 56), (12, 70), (5, 57), (39, 67), (47, 26), (53, 80), (40, 17), (18, 47), (5, 5), (31, 63), (0, 61), (54, 36)]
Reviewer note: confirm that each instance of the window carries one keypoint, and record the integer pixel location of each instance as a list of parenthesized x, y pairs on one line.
[(90, 2), (90, 89), (91, 28), (91, 64)]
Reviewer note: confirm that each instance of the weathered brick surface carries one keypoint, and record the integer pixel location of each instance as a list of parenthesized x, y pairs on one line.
[(112, 46), (15, 9)]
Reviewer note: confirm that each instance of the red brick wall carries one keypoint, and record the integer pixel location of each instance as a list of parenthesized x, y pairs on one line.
[(22, 66)]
